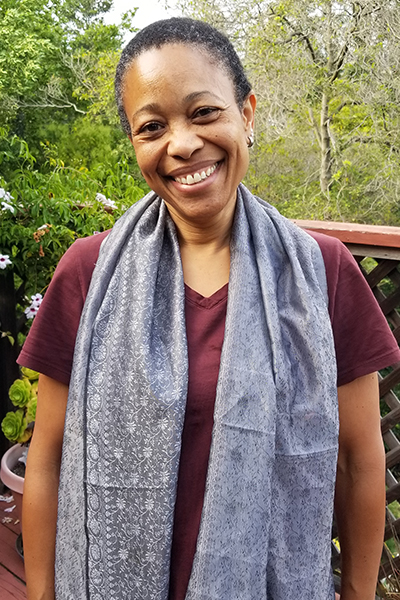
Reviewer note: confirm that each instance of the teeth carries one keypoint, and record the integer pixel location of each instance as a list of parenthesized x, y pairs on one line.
[(196, 177)]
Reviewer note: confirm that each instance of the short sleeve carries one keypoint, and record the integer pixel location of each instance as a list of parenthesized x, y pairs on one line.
[(363, 340), (49, 347)]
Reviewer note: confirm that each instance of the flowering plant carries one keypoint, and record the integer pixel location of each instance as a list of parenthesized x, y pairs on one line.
[(36, 301), (17, 426), (43, 211)]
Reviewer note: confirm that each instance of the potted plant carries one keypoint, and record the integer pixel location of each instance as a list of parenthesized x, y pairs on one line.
[(17, 426)]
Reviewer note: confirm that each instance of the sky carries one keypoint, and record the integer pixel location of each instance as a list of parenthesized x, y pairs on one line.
[(148, 11)]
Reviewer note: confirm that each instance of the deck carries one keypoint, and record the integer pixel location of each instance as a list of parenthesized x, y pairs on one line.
[(12, 574)]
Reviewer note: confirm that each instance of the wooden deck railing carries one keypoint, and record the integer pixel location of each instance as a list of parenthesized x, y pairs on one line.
[(377, 251)]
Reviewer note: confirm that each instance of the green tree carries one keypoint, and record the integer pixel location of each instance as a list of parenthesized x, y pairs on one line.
[(30, 41), (46, 52), (41, 214), (327, 124), (57, 64)]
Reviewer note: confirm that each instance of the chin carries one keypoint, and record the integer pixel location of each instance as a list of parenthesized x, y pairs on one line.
[(201, 212)]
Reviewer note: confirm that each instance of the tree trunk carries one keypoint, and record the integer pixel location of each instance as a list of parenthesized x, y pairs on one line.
[(326, 155)]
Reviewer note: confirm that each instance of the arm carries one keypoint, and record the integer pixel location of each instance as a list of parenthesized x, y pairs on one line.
[(360, 487), (41, 489)]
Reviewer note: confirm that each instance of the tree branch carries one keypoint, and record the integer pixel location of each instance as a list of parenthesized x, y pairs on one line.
[(299, 34), (343, 105), (358, 13), (372, 140), (51, 105), (338, 62), (52, 96), (79, 65)]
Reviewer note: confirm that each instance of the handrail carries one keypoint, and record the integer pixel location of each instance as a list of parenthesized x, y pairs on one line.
[(355, 233)]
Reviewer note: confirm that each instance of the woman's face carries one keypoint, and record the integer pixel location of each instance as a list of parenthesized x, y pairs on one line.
[(189, 135)]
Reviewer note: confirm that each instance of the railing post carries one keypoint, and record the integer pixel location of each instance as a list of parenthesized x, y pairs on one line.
[(8, 352)]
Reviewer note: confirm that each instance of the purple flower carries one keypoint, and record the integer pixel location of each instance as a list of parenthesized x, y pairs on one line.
[(31, 311), (6, 206), (4, 261), (37, 300)]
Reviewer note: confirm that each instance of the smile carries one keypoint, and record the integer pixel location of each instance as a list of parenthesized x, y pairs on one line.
[(196, 177)]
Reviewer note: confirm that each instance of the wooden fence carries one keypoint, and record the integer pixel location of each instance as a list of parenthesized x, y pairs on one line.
[(8, 352), (377, 251)]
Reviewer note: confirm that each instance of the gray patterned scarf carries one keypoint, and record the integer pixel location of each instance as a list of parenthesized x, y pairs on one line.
[(266, 521)]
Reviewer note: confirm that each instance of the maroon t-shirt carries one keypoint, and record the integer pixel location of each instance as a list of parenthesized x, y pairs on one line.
[(363, 344)]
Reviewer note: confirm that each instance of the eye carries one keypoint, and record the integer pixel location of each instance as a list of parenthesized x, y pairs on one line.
[(206, 112), (151, 127)]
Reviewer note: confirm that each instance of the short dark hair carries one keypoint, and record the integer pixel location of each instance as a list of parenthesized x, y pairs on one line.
[(180, 30)]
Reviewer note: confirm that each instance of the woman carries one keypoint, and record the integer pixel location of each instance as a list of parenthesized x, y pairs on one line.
[(188, 473)]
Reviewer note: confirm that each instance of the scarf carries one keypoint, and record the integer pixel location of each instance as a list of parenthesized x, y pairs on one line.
[(266, 523)]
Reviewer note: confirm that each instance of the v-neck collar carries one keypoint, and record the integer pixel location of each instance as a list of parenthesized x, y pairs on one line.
[(209, 301)]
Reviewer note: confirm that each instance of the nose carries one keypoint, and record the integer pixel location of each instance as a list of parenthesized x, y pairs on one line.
[(183, 141)]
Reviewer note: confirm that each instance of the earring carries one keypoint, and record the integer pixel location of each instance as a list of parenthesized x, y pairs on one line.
[(250, 139)]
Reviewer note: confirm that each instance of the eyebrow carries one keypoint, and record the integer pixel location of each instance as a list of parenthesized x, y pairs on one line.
[(153, 107)]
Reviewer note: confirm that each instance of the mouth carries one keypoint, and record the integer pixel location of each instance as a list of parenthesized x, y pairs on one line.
[(194, 178)]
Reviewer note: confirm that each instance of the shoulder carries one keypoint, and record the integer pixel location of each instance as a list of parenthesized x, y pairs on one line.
[(91, 243), (331, 248), (363, 340), (85, 249), (340, 266), (79, 261), (49, 346), (344, 277)]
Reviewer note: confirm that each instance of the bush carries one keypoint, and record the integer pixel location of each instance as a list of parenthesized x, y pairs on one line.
[(42, 213)]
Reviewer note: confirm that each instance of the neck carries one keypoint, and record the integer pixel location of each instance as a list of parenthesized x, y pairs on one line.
[(205, 252), (205, 234)]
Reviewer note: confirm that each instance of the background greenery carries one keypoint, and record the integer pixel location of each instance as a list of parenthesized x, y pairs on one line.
[(326, 74), (60, 143)]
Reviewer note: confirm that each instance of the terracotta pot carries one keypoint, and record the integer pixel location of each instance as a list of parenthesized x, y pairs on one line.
[(14, 482)]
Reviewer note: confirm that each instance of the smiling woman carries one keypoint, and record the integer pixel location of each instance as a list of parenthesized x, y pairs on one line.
[(190, 139), (216, 354)]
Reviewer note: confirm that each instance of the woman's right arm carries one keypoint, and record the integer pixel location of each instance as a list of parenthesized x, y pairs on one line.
[(39, 515)]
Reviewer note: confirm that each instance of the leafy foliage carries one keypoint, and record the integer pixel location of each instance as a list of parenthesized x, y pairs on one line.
[(30, 41), (327, 122), (51, 209), (62, 152), (17, 426)]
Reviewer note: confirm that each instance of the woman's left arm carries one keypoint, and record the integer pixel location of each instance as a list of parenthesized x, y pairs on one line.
[(360, 487)]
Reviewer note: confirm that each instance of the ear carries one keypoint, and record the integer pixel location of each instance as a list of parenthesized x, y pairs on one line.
[(248, 110)]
